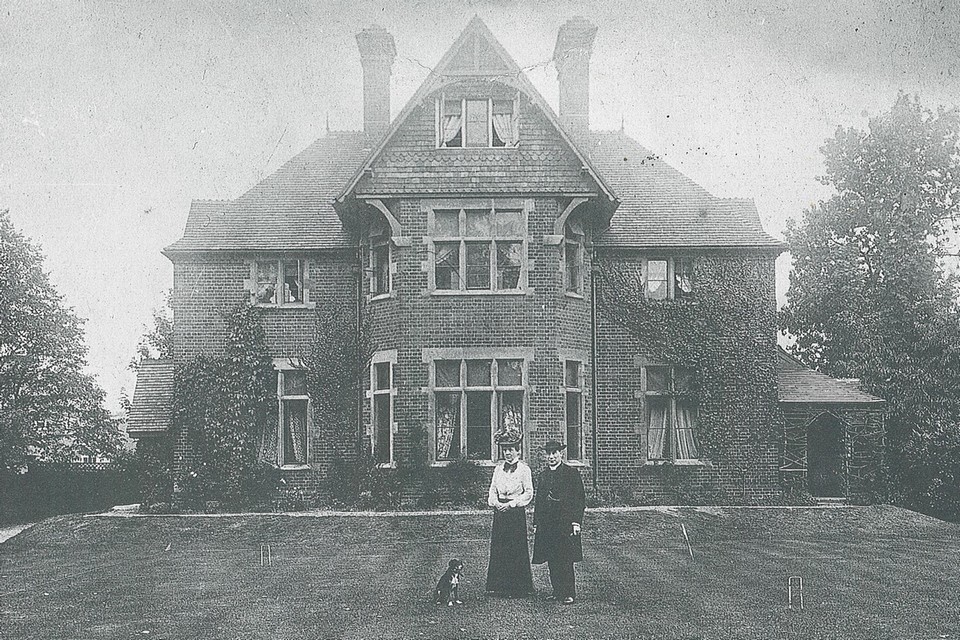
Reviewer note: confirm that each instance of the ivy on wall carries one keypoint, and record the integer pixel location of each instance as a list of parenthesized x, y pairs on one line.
[(227, 409), (725, 333)]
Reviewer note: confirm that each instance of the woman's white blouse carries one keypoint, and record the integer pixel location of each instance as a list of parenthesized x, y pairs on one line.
[(515, 488)]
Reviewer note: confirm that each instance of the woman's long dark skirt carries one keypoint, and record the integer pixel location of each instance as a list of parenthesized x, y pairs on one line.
[(509, 572)]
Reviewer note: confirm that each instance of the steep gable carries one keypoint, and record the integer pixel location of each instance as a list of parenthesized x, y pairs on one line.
[(408, 161)]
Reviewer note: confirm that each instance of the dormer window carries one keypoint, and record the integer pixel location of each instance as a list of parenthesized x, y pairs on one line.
[(476, 122)]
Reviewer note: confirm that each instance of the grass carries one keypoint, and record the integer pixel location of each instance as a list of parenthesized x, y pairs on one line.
[(868, 572)]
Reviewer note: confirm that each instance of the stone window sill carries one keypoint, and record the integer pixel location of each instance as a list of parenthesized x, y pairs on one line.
[(679, 463), (478, 292)]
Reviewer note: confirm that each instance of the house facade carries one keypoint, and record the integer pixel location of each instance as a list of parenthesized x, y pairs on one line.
[(475, 234)]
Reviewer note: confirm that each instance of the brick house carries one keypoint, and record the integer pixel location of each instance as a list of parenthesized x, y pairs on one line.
[(471, 232)]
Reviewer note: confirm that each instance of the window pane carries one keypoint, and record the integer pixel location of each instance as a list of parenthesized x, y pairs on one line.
[(478, 265), (451, 124), (447, 223), (509, 373), (381, 269), (683, 278), (658, 411), (478, 373), (509, 223), (382, 375), (479, 223), (657, 279), (266, 283), (511, 412), (448, 425), (572, 373), (574, 425), (686, 427), (294, 432), (509, 256), (478, 425), (658, 378), (448, 373), (381, 428), (447, 274), (683, 380), (292, 282), (571, 258), (294, 382), (477, 124), (503, 107)]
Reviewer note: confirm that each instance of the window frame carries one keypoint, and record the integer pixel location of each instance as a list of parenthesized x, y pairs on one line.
[(496, 388), (303, 268), (379, 241), (674, 268), (574, 241), (671, 397), (494, 241), (388, 358), (282, 369), (575, 390), (489, 101)]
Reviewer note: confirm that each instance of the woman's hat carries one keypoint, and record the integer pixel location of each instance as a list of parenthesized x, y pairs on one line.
[(554, 445), (508, 437)]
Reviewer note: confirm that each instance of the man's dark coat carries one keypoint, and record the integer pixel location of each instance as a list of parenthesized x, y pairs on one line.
[(558, 504)]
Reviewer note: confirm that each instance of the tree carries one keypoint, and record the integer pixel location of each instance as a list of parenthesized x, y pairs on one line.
[(48, 407), (157, 342), (869, 297)]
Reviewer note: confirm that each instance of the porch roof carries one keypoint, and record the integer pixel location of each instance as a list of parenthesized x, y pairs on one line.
[(152, 399), (801, 385)]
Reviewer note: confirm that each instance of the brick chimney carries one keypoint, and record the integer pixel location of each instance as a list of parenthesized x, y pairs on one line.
[(572, 57), (377, 53)]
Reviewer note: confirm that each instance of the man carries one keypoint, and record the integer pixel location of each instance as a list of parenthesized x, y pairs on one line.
[(557, 516)]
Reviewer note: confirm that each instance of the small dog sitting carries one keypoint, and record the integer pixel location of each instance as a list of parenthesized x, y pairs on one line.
[(448, 587)]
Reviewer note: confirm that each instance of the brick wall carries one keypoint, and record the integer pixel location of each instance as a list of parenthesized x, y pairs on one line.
[(736, 402)]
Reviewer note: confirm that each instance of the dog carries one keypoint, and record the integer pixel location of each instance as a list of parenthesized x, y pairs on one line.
[(448, 587)]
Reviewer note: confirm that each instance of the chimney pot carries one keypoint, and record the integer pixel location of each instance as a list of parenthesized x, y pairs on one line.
[(572, 57), (377, 53)]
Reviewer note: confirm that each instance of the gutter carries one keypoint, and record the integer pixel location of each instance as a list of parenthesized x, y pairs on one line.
[(593, 364)]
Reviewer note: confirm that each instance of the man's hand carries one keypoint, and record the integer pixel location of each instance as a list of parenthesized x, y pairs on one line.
[(576, 528), (502, 506)]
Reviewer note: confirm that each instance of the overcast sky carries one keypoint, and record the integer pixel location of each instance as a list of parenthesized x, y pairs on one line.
[(114, 115)]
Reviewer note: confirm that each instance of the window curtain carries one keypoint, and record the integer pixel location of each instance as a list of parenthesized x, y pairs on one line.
[(686, 421), (657, 432), (505, 124), (451, 127), (294, 414)]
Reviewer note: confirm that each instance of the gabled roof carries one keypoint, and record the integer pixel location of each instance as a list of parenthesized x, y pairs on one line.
[(662, 208), (449, 67), (800, 385), (152, 399), (292, 209)]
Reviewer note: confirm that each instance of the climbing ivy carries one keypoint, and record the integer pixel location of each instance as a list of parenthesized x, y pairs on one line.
[(725, 333), (227, 409)]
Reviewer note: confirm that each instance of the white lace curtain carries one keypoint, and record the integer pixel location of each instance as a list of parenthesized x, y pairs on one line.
[(505, 124)]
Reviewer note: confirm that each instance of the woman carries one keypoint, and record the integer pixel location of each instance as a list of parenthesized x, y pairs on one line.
[(511, 490)]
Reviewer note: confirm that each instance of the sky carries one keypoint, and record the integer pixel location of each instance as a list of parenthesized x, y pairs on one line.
[(115, 115)]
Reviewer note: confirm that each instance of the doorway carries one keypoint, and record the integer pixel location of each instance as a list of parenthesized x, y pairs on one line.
[(826, 471)]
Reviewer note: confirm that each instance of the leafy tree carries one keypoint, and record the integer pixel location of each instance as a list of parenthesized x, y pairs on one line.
[(48, 407), (869, 297), (157, 342)]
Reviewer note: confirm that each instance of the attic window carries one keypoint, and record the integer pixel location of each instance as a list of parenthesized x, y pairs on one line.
[(476, 122)]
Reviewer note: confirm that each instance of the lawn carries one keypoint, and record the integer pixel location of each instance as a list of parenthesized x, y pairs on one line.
[(868, 572)]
